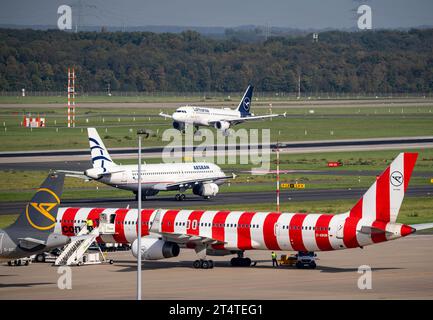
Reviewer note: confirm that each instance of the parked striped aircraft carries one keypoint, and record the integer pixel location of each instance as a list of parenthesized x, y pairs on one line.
[(372, 220)]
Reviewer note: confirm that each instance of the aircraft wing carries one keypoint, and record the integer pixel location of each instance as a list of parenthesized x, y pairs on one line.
[(180, 237), (187, 184), (165, 115), (249, 118), (422, 226)]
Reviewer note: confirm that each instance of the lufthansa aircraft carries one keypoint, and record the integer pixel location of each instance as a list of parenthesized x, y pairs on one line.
[(221, 119), (203, 178), (372, 220), (33, 232)]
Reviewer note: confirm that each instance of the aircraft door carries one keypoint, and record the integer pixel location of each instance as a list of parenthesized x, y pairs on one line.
[(1, 242), (340, 230), (124, 177)]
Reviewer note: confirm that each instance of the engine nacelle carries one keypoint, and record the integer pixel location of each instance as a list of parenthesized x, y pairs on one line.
[(179, 125), (155, 249), (94, 173), (206, 190), (222, 125)]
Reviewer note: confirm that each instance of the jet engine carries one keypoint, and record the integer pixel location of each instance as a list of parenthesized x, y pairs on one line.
[(155, 249), (222, 125), (179, 125), (206, 190)]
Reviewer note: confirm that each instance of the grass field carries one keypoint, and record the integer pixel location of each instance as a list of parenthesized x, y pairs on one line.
[(118, 126)]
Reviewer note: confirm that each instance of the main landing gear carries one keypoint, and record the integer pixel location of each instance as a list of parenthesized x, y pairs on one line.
[(203, 264), (180, 197), (240, 261), (143, 196)]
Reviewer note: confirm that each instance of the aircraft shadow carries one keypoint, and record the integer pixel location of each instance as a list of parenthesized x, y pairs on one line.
[(147, 265), (24, 285), (133, 201), (338, 270)]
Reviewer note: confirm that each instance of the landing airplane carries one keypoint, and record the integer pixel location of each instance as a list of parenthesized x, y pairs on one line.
[(203, 178), (372, 220), (33, 232), (221, 119)]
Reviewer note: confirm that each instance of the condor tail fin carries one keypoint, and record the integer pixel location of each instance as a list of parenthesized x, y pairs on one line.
[(383, 199)]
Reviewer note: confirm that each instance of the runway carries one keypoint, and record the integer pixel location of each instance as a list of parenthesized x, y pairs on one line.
[(221, 200), (401, 269), (285, 147)]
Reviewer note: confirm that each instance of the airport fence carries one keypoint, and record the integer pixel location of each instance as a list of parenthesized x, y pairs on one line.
[(223, 95)]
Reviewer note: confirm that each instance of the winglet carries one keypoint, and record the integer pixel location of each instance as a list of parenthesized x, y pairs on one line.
[(156, 222)]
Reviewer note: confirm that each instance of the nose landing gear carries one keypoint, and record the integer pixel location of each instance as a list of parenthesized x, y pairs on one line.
[(179, 197), (203, 264)]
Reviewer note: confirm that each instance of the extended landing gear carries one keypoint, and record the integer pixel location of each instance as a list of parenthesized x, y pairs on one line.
[(203, 264), (180, 197), (143, 196), (240, 261)]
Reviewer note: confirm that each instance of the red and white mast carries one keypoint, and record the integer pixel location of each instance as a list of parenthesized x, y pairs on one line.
[(71, 97)]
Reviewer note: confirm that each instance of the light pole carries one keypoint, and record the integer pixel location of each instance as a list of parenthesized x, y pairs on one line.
[(277, 150), (140, 133)]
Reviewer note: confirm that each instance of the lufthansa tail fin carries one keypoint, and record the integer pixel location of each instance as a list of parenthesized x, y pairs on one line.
[(244, 106), (383, 200), (100, 156), (39, 215)]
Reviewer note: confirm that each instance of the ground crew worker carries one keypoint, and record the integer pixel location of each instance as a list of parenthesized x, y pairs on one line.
[(89, 223), (274, 259)]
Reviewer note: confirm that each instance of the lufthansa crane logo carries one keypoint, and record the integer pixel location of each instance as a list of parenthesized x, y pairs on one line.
[(38, 213), (247, 103), (396, 179)]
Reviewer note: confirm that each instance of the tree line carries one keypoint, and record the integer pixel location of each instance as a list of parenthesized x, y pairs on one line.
[(342, 62)]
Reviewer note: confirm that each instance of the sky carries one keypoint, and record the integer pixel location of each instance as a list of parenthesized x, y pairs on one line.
[(300, 14)]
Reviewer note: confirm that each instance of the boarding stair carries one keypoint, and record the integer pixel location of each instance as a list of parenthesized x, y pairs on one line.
[(73, 253)]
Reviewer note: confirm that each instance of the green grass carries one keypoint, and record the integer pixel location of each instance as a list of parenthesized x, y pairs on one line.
[(120, 126)]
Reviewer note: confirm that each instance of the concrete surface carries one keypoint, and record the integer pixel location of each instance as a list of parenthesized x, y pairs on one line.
[(401, 269)]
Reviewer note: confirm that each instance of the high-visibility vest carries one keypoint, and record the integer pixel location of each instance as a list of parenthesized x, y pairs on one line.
[(90, 223), (274, 256)]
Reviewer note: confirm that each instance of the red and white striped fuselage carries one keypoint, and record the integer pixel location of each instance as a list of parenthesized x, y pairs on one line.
[(240, 230)]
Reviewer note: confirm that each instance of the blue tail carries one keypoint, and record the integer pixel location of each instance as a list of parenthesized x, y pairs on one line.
[(244, 106)]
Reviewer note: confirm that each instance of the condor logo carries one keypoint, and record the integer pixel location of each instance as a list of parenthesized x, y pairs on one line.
[(38, 213), (396, 179)]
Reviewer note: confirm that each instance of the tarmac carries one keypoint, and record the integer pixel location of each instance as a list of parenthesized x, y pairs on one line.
[(401, 269)]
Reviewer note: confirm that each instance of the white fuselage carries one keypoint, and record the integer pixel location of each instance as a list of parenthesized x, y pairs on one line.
[(204, 116), (152, 175)]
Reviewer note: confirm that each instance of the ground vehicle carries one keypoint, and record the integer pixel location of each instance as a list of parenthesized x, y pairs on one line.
[(21, 262), (306, 259)]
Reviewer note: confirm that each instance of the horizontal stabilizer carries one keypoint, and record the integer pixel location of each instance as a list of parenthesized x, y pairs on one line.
[(373, 230), (422, 226)]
